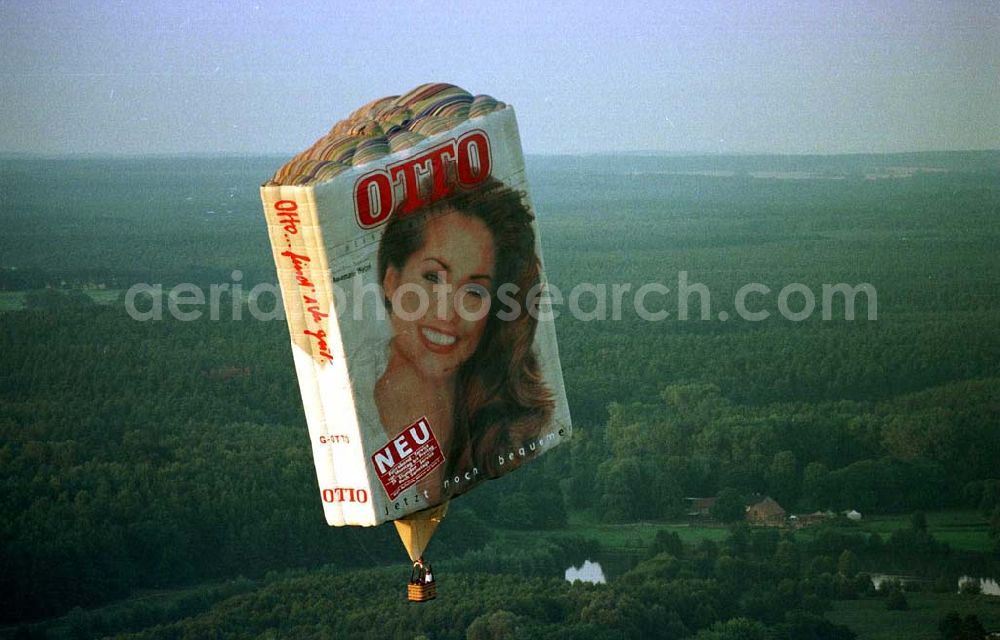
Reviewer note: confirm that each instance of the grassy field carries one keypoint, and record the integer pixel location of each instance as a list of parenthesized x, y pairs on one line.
[(104, 296), (11, 300), (623, 538), (872, 621), (14, 300), (964, 530)]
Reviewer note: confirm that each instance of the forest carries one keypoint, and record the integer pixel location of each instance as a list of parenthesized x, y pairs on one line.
[(157, 480)]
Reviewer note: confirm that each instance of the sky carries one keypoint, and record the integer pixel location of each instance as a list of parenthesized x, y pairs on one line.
[(245, 77)]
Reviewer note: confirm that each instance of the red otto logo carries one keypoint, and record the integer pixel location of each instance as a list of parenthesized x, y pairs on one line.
[(375, 192), (344, 494)]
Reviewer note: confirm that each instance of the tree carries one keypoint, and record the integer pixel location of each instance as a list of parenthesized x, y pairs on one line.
[(896, 601), (847, 564), (926, 434), (995, 530), (734, 629), (971, 587), (786, 559), (667, 542), (815, 481), (541, 509), (497, 625), (950, 626), (954, 627), (620, 483), (990, 497), (782, 477), (972, 628), (729, 506)]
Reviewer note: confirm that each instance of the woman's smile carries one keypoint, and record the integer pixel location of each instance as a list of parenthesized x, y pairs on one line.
[(437, 341)]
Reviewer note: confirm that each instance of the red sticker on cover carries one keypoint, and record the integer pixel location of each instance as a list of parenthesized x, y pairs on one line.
[(407, 458)]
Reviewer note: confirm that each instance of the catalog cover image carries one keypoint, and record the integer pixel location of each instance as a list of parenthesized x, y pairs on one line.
[(410, 266)]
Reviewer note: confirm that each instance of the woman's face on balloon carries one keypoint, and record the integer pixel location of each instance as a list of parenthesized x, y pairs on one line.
[(440, 297)]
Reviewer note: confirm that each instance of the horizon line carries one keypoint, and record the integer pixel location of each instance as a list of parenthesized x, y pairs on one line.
[(88, 155)]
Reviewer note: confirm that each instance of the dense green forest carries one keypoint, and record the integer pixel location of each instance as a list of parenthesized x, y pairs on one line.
[(138, 457)]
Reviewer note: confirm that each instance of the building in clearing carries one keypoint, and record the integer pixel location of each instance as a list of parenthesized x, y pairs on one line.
[(767, 512), (814, 518), (700, 507)]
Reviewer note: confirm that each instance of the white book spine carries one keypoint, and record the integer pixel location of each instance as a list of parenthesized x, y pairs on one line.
[(307, 293)]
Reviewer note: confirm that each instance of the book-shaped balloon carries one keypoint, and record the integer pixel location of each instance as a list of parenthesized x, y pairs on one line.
[(410, 269)]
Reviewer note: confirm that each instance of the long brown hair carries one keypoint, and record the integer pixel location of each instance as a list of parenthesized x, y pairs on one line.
[(501, 401)]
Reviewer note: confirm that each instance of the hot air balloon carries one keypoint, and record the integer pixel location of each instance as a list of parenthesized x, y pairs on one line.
[(410, 269)]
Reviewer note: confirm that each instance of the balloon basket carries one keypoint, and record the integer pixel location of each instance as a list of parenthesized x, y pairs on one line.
[(421, 592)]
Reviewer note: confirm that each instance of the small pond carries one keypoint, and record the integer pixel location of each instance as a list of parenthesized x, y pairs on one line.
[(987, 586), (587, 572)]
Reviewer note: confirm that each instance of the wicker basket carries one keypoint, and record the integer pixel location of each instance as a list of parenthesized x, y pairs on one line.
[(421, 592)]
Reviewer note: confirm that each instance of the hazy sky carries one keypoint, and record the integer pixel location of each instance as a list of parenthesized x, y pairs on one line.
[(259, 77)]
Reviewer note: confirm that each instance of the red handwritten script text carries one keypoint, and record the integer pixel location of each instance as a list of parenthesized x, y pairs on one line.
[(287, 214)]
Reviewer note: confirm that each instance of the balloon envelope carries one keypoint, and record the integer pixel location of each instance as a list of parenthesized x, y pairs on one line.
[(409, 406)]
